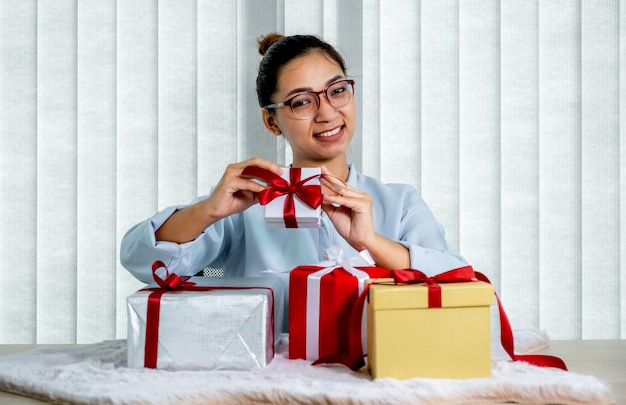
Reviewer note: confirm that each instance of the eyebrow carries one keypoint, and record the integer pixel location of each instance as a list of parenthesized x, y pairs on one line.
[(309, 89)]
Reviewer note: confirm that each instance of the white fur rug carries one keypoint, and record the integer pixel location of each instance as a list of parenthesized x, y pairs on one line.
[(96, 374)]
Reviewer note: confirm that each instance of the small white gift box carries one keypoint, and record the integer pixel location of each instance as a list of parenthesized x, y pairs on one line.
[(277, 210)]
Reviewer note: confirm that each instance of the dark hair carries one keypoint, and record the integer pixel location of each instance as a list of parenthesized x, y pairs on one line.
[(278, 50)]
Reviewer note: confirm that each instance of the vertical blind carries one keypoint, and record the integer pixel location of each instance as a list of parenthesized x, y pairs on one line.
[(508, 116)]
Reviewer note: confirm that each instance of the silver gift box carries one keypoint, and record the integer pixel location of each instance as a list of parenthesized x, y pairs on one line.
[(218, 329)]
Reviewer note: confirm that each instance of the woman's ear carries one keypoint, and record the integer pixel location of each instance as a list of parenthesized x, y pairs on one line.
[(270, 123)]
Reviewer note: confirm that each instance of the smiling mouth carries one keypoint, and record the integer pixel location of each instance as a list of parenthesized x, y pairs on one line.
[(330, 133)]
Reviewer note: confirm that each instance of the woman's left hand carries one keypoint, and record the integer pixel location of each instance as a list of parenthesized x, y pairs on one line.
[(349, 209)]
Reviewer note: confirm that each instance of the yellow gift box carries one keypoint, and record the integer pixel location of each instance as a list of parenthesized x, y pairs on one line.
[(408, 339)]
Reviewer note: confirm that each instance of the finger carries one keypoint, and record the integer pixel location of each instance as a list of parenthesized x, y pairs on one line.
[(343, 201), (333, 180), (344, 190), (334, 184), (234, 182), (356, 201), (251, 185), (262, 163), (324, 170), (332, 208), (328, 203)]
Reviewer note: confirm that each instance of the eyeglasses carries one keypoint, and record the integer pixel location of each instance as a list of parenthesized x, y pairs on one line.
[(305, 105)]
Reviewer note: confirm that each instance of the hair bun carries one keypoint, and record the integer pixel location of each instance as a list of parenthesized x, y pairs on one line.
[(266, 41)]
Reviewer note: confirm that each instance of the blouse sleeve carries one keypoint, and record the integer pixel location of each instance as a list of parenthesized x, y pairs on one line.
[(139, 247), (425, 238)]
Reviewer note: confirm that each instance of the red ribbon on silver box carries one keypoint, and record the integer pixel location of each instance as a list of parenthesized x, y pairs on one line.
[(172, 282)]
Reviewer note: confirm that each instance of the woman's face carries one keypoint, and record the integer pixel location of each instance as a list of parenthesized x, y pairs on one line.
[(324, 137)]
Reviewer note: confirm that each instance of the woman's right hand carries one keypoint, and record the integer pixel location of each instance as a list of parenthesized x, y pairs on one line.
[(235, 193)]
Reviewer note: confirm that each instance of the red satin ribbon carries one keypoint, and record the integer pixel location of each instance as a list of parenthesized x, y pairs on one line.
[(508, 343), (409, 276), (277, 186), (354, 358), (171, 280), (174, 282), (338, 292)]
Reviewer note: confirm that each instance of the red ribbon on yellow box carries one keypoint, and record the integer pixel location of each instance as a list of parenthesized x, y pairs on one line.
[(409, 276), (310, 194), (172, 282), (354, 358)]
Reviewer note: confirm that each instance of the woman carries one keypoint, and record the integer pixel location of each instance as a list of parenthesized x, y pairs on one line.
[(306, 97)]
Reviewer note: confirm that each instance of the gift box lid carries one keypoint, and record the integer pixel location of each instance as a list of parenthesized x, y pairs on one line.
[(301, 224), (386, 295), (244, 282), (230, 286), (301, 220)]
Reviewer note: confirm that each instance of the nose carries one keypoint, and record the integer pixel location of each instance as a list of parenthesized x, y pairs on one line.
[(326, 111)]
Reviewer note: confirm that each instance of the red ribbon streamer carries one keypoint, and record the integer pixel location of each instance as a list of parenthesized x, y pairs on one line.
[(354, 358), (174, 282), (310, 194), (506, 337)]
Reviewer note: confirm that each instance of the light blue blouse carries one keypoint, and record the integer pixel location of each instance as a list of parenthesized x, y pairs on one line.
[(243, 245)]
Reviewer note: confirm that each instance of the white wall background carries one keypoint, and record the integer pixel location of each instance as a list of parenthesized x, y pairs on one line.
[(509, 116)]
